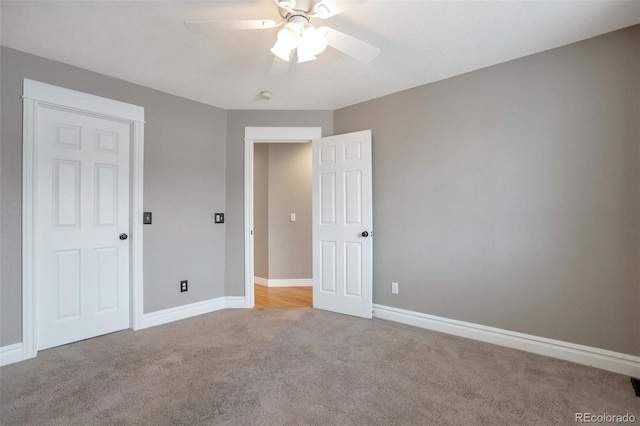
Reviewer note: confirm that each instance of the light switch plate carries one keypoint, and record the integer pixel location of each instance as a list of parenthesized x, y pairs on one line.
[(219, 217), (146, 218), (293, 217)]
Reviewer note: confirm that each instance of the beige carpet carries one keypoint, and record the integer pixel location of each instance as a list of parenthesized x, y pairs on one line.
[(301, 367)]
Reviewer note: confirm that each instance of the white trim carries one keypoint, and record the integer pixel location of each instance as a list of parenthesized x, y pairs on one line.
[(587, 355), (194, 309), (46, 93), (136, 274), (29, 231), (235, 302), (262, 135), (282, 134), (248, 221), (15, 353), (10, 354), (294, 282), (36, 94), (261, 281), (280, 282)]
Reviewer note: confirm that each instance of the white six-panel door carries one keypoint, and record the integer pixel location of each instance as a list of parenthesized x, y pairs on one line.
[(82, 208), (342, 224)]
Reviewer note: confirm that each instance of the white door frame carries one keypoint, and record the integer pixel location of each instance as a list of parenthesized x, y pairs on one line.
[(36, 94), (263, 135)]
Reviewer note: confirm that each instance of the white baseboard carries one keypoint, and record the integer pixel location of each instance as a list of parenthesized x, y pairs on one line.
[(600, 358), (14, 353), (235, 302), (10, 354), (278, 282), (187, 311), (261, 281)]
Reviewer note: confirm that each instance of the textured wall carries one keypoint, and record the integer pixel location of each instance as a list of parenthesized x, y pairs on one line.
[(510, 196), (183, 186), (236, 122)]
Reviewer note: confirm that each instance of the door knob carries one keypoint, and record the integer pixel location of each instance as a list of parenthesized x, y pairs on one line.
[(365, 234), (123, 236)]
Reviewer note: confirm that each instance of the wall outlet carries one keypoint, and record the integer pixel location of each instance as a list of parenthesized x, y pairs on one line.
[(184, 286), (394, 288)]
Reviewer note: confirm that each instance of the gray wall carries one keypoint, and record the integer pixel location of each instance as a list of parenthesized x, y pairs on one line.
[(183, 186), (236, 122), (282, 184), (261, 210), (290, 183), (509, 196)]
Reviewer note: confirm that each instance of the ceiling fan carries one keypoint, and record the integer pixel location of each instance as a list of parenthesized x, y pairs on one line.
[(297, 34)]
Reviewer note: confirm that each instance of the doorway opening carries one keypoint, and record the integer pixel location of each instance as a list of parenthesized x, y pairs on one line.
[(274, 284), (342, 247), (282, 225)]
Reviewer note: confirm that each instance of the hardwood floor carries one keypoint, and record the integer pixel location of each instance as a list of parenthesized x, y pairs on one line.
[(283, 297)]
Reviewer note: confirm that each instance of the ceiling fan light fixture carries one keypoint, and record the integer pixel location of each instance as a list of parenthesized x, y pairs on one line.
[(286, 42), (305, 54), (299, 34), (312, 40), (323, 31), (289, 34), (282, 50), (321, 10), (286, 4)]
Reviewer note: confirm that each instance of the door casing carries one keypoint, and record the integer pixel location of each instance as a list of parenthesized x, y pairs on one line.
[(263, 135), (36, 94)]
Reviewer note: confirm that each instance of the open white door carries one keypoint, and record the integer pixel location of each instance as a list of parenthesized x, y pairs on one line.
[(342, 224)]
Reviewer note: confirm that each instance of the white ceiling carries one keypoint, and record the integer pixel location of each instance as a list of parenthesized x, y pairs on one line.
[(146, 42)]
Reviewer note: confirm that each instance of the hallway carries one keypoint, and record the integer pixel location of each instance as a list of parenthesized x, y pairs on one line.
[(283, 297)]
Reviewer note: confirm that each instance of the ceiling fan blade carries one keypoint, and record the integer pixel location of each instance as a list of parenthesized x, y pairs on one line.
[(232, 25), (356, 48), (327, 8), (278, 66)]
